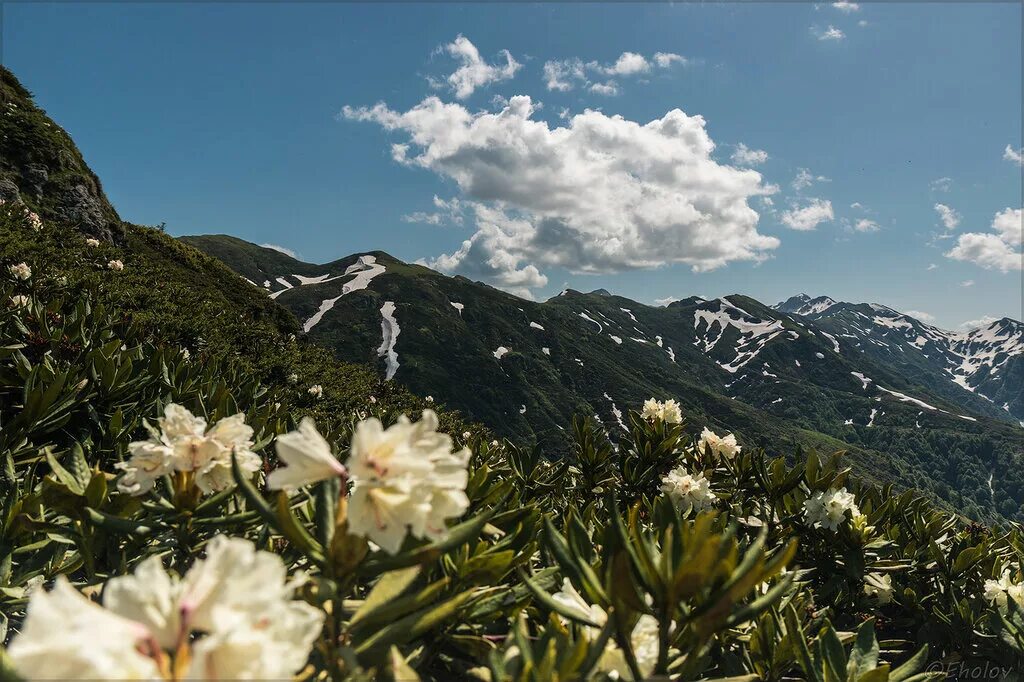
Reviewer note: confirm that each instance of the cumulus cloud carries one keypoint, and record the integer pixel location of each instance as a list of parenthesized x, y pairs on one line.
[(808, 217), (921, 315), (745, 156), (949, 217), (829, 34), (996, 250), (983, 321), (1014, 155), (566, 74), (846, 7), (941, 184), (598, 194), (283, 249), (473, 71), (665, 301), (805, 178)]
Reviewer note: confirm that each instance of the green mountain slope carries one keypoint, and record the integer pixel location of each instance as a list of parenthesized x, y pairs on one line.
[(524, 368), (168, 293)]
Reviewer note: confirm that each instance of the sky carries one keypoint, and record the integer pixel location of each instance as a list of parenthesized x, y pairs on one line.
[(870, 152)]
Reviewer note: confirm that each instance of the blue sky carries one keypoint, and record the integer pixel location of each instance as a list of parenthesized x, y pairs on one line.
[(228, 118)]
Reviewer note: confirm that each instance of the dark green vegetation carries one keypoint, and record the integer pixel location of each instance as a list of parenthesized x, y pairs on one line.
[(761, 377)]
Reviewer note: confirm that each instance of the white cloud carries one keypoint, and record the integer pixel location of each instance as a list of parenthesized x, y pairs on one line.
[(745, 156), (831, 33), (862, 23), (810, 216), (949, 217), (665, 301), (666, 59), (628, 64), (983, 321), (846, 7), (283, 249), (448, 212), (597, 194), (566, 74), (932, 266), (804, 179), (921, 315), (967, 283), (559, 75), (474, 72), (609, 88), (1014, 155), (993, 251), (865, 225), (857, 206), (941, 184)]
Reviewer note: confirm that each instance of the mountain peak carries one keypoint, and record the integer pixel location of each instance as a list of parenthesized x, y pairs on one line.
[(802, 304)]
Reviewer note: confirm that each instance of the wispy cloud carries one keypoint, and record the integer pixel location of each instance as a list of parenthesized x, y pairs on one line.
[(948, 216), (283, 249), (567, 74), (808, 217), (745, 156), (846, 7), (941, 184), (473, 71), (828, 34), (921, 315), (1014, 155)]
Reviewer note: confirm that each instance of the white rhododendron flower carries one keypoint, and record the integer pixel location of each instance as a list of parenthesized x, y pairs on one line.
[(316, 390), (998, 591), (183, 444), (20, 271), (92, 242), (34, 221), (725, 448), (879, 586), (231, 616), (643, 639), (293, 378), (668, 411), (67, 636), (429, 398), (407, 478), (829, 509), (688, 491), (19, 301), (115, 265), (307, 456)]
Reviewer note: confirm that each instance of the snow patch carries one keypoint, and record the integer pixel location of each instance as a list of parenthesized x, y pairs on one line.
[(588, 318), (534, 325), (863, 379), (499, 352), (754, 333), (365, 269), (616, 339), (458, 306), (902, 397), (389, 331)]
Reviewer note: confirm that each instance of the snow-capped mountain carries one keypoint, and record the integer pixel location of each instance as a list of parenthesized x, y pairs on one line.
[(987, 361), (862, 378)]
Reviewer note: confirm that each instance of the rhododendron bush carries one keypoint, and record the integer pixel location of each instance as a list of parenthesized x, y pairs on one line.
[(165, 514)]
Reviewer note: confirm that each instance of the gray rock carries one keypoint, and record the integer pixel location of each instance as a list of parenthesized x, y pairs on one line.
[(37, 175), (9, 191), (82, 207)]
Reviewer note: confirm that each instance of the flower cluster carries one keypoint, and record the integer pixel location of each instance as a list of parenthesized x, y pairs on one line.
[(20, 271), (316, 390), (998, 591), (19, 301), (407, 477), (34, 221), (724, 447), (231, 616), (92, 243), (643, 638), (668, 411), (688, 492), (184, 446), (828, 509), (115, 265)]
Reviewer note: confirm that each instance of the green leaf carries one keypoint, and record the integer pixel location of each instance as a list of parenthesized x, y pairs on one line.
[(388, 587)]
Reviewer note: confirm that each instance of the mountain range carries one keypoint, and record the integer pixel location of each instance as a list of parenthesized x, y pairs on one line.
[(807, 372)]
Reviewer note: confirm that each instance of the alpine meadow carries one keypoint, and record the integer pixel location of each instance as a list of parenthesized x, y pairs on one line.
[(221, 459)]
